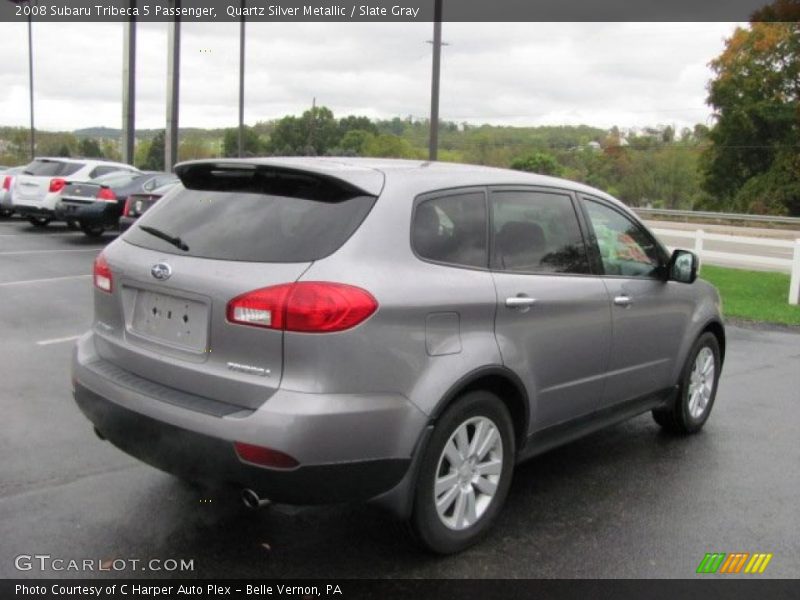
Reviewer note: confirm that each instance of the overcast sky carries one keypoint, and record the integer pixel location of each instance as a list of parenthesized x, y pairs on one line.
[(602, 74)]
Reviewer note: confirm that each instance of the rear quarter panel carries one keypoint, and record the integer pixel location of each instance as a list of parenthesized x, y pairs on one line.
[(434, 323)]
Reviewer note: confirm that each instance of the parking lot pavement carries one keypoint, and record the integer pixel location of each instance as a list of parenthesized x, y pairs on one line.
[(626, 502)]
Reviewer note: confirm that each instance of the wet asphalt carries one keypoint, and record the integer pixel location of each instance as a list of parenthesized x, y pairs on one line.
[(628, 502)]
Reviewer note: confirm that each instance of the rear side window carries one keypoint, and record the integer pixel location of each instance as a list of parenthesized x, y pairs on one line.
[(452, 229), (537, 232), (281, 218), (52, 168)]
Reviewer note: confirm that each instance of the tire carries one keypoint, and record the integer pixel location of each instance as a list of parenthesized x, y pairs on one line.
[(39, 221), (449, 530), (92, 231), (692, 405), (5, 213)]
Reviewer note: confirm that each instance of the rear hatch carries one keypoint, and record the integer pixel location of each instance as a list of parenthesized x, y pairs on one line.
[(230, 230), (36, 180)]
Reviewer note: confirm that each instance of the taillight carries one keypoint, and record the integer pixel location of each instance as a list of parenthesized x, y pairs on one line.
[(126, 212), (307, 306), (7, 182), (106, 195), (57, 184), (266, 457), (103, 280)]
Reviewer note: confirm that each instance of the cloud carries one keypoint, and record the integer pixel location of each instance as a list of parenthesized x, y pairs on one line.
[(517, 73)]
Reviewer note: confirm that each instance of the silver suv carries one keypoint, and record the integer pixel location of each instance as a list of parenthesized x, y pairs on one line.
[(325, 330)]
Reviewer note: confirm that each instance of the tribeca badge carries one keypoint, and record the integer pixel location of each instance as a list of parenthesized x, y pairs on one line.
[(720, 562)]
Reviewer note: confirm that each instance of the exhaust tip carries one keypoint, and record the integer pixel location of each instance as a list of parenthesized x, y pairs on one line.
[(252, 500), (99, 435)]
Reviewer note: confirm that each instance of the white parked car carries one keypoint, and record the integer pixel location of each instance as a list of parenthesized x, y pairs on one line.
[(6, 180), (37, 189)]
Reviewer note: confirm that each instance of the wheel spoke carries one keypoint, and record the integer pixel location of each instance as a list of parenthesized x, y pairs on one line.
[(462, 442), (485, 486), (488, 443), (461, 506), (453, 455), (492, 467), (477, 438), (444, 484), (708, 363), (443, 504), (471, 514)]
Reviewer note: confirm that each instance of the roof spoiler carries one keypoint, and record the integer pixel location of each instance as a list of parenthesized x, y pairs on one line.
[(322, 180)]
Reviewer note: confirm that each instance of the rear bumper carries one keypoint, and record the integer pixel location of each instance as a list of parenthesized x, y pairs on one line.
[(33, 211), (96, 213), (345, 453), (126, 222)]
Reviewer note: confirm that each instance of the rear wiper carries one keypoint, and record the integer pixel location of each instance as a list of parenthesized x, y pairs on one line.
[(172, 239)]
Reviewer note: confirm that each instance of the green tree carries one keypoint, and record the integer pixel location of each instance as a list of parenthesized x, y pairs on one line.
[(193, 146), (110, 150), (355, 141), (154, 159), (756, 96), (354, 123), (89, 148), (539, 162), (252, 142), (316, 132), (390, 146)]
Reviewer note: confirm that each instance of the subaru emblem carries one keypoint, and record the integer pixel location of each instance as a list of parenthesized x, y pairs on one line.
[(161, 271)]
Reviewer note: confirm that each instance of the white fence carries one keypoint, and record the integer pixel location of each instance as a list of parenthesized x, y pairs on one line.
[(790, 265)]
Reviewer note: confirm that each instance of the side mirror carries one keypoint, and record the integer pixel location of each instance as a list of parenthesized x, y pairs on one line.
[(683, 266)]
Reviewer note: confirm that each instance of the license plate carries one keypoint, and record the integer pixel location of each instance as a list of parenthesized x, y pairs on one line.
[(171, 320)]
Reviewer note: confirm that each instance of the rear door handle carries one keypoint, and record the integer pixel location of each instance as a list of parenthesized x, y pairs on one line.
[(520, 302), (622, 301)]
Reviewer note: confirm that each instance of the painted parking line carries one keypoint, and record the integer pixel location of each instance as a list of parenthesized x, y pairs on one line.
[(70, 338), (18, 252), (26, 281), (38, 235)]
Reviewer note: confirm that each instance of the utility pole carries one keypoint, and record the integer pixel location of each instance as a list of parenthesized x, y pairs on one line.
[(313, 124), (433, 145), (30, 84), (173, 89), (241, 83), (129, 90)]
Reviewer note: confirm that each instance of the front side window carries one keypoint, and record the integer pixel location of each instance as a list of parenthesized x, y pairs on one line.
[(537, 232), (625, 248), (452, 229)]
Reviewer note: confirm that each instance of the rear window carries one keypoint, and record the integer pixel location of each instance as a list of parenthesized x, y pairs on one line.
[(52, 168), (299, 221), (117, 178)]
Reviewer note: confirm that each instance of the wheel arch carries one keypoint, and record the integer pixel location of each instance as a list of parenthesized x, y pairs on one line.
[(502, 382), (716, 328)]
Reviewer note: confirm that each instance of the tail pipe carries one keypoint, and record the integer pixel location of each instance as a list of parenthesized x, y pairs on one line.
[(252, 500)]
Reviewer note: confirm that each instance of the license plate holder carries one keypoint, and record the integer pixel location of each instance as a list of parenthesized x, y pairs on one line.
[(171, 320)]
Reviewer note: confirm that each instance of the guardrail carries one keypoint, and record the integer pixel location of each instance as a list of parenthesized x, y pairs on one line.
[(792, 265), (717, 215)]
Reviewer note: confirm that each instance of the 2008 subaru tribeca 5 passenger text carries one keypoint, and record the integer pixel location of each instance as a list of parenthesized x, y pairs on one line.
[(321, 330)]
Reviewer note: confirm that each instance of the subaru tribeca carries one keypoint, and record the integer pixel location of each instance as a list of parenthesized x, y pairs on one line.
[(323, 330)]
